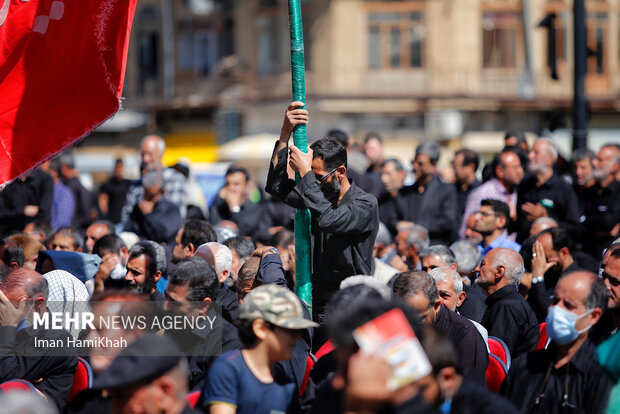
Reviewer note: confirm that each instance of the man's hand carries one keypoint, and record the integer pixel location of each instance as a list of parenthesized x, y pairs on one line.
[(539, 260), (293, 117), (234, 199), (9, 314), (108, 263), (31, 211), (299, 161), (534, 211), (264, 251), (146, 207)]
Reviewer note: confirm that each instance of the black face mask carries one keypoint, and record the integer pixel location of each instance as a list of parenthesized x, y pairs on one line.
[(331, 191)]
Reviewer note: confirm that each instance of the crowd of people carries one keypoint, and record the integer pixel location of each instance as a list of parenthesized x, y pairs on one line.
[(522, 252)]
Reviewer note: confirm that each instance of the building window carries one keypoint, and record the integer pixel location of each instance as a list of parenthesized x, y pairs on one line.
[(396, 37), (502, 39), (148, 41)]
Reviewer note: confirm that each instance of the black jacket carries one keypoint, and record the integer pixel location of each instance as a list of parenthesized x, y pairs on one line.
[(435, 209), (343, 236), (160, 225)]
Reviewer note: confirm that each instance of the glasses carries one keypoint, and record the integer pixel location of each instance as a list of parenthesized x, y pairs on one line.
[(321, 179), (484, 213)]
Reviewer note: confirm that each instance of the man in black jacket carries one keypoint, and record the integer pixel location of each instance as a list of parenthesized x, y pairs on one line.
[(429, 202), (345, 219)]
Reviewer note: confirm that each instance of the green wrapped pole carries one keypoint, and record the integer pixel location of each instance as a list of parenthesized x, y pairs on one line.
[(302, 217)]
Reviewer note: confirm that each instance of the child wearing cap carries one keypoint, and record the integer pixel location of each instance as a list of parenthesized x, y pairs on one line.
[(247, 381)]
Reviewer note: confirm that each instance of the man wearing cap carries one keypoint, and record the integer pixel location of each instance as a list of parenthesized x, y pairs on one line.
[(248, 381), (150, 375)]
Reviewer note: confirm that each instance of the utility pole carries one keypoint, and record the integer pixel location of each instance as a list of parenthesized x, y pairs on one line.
[(580, 105)]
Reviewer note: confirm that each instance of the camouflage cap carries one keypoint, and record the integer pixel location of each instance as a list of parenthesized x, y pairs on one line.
[(277, 305)]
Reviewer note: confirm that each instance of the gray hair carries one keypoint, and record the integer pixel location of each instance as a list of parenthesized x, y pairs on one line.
[(155, 253), (550, 148), (25, 403), (415, 282), (581, 154), (152, 179), (370, 281), (383, 235), (513, 268), (398, 166), (417, 236), (222, 256), (445, 254), (161, 144), (442, 274), (429, 148), (467, 255)]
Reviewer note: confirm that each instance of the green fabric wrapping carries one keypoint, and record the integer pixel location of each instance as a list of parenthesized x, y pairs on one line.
[(303, 284)]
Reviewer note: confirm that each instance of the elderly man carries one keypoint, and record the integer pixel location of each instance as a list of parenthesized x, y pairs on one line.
[(507, 174), (491, 221), (345, 219), (146, 265), (429, 202), (410, 241), (152, 149), (154, 217), (191, 292), (23, 293), (545, 193), (601, 209), (508, 316), (96, 231), (471, 298), (566, 376), (66, 239), (418, 289)]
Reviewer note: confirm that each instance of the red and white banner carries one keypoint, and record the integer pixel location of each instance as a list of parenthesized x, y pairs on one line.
[(62, 66)]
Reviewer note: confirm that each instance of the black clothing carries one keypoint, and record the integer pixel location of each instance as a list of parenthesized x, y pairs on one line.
[(343, 236), (582, 381), (604, 328), (472, 398), (388, 212), (117, 194), (474, 305), (157, 296), (251, 219), (279, 213), (433, 207), (37, 189), (557, 196), (89, 401), (469, 345), (541, 293), (509, 318), (461, 195), (599, 213), (22, 358), (83, 203), (228, 300), (160, 225), (203, 346)]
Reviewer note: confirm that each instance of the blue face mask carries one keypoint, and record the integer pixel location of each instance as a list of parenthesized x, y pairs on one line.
[(561, 325)]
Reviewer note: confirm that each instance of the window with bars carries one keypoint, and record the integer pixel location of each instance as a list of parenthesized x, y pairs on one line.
[(502, 39)]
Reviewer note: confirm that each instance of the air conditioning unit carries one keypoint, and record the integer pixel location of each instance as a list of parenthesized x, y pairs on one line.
[(443, 124)]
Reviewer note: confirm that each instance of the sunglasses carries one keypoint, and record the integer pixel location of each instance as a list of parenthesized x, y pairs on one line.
[(321, 179)]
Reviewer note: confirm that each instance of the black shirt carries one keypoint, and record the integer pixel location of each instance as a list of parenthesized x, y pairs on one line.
[(472, 398), (582, 380), (433, 207), (599, 213), (117, 194), (461, 195), (83, 203), (250, 219), (160, 225), (470, 348), (37, 189), (541, 293), (557, 196), (474, 305), (343, 235), (20, 358), (228, 300), (388, 211), (509, 318)]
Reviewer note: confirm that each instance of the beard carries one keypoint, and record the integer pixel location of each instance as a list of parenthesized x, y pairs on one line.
[(331, 191), (600, 174), (139, 287)]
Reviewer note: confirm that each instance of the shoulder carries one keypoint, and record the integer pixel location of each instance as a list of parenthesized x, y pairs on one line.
[(228, 363)]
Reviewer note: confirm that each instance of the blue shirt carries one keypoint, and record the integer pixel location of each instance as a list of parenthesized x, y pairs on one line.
[(501, 241), (231, 382)]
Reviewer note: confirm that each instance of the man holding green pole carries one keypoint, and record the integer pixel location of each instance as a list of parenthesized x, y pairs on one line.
[(344, 218)]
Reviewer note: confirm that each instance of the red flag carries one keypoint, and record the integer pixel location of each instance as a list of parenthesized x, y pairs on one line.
[(62, 66)]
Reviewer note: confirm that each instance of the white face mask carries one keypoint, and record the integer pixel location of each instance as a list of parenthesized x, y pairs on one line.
[(118, 272), (561, 325)]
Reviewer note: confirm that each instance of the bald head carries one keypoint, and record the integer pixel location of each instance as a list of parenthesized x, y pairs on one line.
[(24, 284), (152, 149), (541, 224), (204, 252)]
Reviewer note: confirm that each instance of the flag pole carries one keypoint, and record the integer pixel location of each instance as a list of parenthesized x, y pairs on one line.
[(303, 285)]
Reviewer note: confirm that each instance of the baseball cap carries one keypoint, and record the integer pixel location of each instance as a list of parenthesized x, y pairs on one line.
[(277, 305)]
